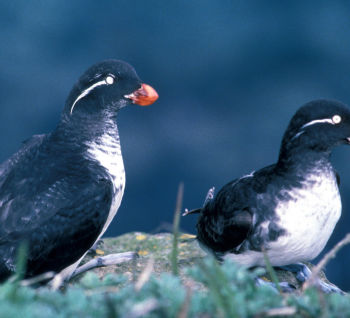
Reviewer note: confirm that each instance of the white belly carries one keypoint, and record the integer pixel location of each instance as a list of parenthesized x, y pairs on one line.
[(309, 220)]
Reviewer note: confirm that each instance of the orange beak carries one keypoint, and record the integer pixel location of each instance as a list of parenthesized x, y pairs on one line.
[(144, 96)]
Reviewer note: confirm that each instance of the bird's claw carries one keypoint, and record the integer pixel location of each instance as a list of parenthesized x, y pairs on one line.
[(303, 273)]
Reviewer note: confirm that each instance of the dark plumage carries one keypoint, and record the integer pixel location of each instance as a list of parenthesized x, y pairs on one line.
[(290, 208), (60, 191)]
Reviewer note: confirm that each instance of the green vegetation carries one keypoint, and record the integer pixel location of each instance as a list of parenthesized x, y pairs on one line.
[(210, 290)]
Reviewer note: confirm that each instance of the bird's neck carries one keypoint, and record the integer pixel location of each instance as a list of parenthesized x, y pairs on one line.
[(303, 162), (79, 131)]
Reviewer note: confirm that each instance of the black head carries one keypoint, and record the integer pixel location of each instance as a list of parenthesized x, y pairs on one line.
[(317, 126), (108, 85)]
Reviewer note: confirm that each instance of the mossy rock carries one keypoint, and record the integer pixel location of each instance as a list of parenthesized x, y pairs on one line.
[(159, 247)]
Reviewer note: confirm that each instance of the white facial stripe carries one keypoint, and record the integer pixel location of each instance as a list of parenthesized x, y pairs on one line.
[(87, 91), (298, 134), (318, 121), (336, 119)]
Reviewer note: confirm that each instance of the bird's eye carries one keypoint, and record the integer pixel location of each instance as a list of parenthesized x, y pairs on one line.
[(336, 119), (109, 80)]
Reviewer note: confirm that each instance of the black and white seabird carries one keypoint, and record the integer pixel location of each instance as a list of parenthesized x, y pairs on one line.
[(60, 191), (289, 209)]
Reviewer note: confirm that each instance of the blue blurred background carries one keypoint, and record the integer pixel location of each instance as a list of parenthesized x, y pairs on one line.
[(230, 74)]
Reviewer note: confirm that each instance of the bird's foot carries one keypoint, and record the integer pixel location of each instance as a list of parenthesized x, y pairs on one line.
[(303, 273), (62, 278), (328, 288), (111, 259)]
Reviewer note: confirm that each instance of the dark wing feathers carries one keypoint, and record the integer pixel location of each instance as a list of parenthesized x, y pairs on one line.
[(60, 214), (226, 222), (75, 225), (27, 146), (53, 223)]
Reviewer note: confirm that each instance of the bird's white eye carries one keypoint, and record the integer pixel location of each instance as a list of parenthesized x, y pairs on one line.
[(336, 119), (109, 80)]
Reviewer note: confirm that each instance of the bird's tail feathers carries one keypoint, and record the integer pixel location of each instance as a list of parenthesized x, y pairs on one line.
[(195, 211), (208, 198)]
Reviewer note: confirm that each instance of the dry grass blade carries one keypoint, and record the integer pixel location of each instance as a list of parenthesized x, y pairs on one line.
[(278, 312), (145, 275), (323, 262), (186, 305), (143, 308), (271, 271), (178, 208)]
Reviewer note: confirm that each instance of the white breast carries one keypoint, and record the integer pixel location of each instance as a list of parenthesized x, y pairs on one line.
[(106, 151), (309, 219)]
